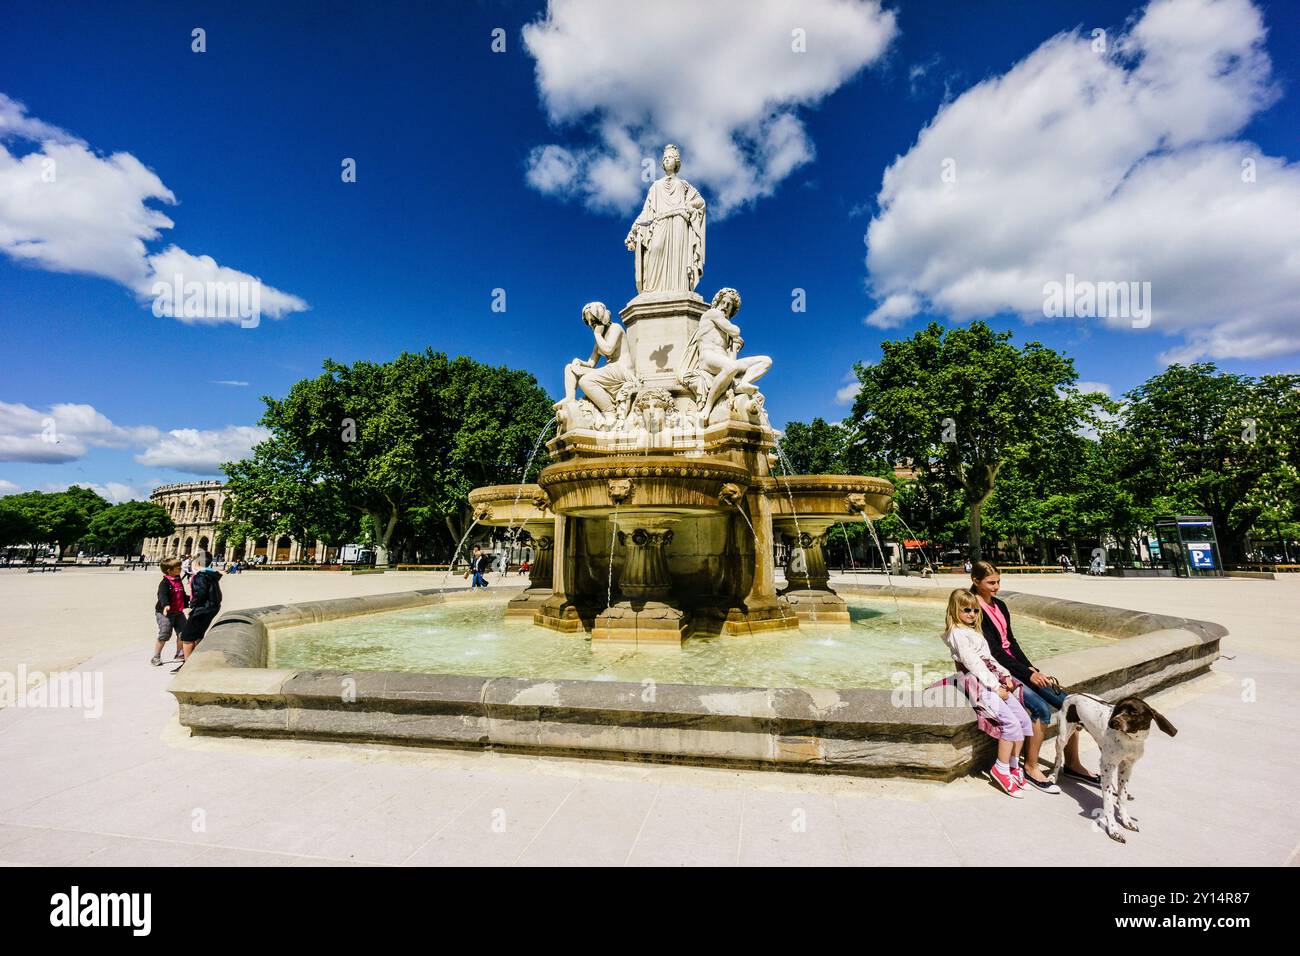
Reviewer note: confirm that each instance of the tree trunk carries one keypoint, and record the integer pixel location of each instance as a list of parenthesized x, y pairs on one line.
[(382, 537), (974, 536)]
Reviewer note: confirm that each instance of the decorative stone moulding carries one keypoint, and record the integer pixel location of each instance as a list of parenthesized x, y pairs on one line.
[(839, 497), (665, 484)]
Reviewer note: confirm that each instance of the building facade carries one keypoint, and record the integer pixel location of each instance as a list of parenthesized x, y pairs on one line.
[(196, 507)]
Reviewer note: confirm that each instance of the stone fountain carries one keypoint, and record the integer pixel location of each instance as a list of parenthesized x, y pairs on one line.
[(661, 510)]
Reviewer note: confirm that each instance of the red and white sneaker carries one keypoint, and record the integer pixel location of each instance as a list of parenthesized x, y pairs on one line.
[(1018, 775), (1007, 782)]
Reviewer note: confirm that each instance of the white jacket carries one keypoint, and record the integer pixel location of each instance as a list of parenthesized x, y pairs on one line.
[(971, 651)]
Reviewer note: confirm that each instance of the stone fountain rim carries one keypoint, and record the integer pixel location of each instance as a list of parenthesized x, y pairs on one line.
[(811, 484), (495, 493), (643, 466), (228, 689)]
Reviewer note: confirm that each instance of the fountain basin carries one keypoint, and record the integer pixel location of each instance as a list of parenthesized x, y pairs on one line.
[(524, 507), (827, 498), (228, 689), (804, 509)]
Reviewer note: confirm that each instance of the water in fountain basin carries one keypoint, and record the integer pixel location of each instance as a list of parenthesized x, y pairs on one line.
[(476, 638)]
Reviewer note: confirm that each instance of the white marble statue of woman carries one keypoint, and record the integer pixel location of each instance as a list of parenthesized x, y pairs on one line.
[(710, 366), (667, 239), (600, 383)]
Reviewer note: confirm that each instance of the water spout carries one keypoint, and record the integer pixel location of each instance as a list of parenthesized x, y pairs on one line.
[(786, 470)]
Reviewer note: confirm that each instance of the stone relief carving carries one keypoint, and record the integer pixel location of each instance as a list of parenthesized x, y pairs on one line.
[(731, 493)]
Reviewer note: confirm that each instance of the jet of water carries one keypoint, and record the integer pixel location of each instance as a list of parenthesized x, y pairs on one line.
[(785, 471), (537, 444), (884, 560), (455, 553), (924, 557), (613, 537)]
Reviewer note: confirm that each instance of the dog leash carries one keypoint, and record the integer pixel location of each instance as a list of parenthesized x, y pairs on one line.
[(1056, 686)]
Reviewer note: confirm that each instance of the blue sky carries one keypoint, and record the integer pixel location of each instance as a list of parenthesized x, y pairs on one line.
[(451, 200)]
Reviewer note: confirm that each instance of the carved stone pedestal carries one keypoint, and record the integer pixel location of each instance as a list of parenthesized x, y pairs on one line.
[(539, 574), (808, 589), (645, 612)]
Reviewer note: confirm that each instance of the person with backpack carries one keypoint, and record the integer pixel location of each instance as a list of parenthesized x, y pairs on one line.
[(205, 604)]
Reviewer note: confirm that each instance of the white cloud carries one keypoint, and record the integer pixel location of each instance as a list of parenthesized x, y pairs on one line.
[(722, 80), (1117, 166), (61, 433), (894, 311), (847, 392), (65, 432), (202, 451), (229, 381), (1088, 387), (8, 487), (65, 208), (115, 492)]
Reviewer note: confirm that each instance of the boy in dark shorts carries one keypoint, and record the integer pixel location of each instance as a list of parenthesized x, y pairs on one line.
[(169, 609), (205, 604)]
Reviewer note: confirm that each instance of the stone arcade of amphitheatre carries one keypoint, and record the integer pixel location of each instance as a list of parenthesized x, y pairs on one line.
[(655, 527), (195, 507)]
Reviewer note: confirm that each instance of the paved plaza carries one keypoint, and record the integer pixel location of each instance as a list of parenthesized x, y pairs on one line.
[(131, 787)]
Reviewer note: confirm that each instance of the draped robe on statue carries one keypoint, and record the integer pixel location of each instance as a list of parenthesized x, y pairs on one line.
[(668, 237)]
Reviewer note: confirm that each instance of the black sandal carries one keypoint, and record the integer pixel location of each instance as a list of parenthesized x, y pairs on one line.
[(1092, 778)]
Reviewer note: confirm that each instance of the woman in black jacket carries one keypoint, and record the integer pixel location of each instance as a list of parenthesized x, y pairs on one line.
[(1041, 695)]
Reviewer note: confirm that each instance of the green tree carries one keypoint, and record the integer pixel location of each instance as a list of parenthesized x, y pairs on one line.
[(61, 517), (16, 525), (1214, 442), (959, 403), (816, 448), (388, 442), (124, 527)]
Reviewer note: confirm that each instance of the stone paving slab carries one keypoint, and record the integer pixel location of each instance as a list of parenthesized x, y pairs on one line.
[(121, 789)]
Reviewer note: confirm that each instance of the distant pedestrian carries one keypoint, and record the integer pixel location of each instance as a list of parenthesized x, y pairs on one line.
[(478, 565), (968, 566), (187, 568), (169, 609), (205, 604)]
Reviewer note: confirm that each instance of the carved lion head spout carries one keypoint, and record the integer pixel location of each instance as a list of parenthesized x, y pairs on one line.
[(731, 494), (620, 490), (482, 513), (856, 502), (541, 502)]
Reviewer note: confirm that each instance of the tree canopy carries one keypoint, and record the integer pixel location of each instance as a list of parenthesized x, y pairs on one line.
[(396, 446), (124, 527), (57, 517), (959, 403)]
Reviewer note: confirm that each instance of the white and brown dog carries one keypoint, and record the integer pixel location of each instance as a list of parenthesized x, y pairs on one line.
[(1120, 730)]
